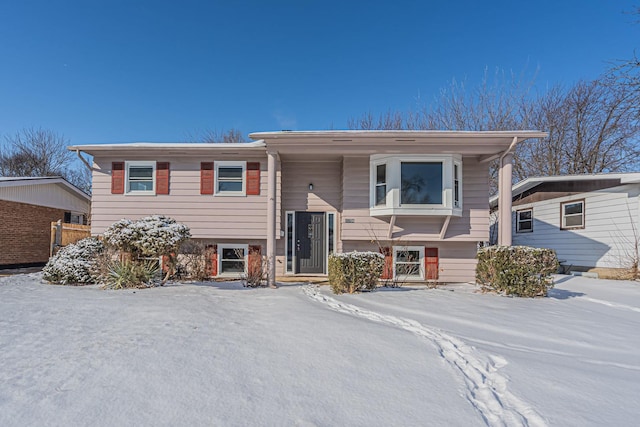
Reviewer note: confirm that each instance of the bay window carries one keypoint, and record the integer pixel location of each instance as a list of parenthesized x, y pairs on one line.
[(416, 185)]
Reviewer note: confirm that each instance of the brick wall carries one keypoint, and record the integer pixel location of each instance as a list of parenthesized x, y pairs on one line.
[(25, 232)]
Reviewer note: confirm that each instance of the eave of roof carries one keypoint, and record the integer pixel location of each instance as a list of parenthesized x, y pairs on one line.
[(166, 146), (534, 181), (42, 180)]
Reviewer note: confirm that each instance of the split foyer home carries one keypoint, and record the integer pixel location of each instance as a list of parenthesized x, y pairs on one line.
[(420, 197), (591, 221)]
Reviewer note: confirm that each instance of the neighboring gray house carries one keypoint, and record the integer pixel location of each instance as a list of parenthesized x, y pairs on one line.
[(589, 220), (298, 196)]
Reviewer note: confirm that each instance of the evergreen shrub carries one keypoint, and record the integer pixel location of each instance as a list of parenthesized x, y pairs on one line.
[(74, 263), (516, 270), (355, 271)]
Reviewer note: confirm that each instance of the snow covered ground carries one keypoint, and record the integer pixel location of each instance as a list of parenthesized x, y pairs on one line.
[(219, 354)]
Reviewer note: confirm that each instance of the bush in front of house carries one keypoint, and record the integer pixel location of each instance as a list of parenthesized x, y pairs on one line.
[(516, 270), (149, 237), (130, 274), (74, 263), (355, 271)]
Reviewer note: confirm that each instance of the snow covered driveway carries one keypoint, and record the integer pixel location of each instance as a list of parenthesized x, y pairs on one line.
[(218, 354)]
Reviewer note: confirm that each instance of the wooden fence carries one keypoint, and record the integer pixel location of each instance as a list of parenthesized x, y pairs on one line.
[(63, 234)]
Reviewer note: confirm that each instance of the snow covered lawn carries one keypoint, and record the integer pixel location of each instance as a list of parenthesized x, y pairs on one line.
[(218, 354)]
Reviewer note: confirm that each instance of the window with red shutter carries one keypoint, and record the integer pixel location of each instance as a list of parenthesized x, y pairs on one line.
[(117, 178), (253, 179), (162, 178), (431, 263), (206, 178)]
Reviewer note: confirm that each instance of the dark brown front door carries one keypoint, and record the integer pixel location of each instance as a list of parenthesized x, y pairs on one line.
[(310, 242)]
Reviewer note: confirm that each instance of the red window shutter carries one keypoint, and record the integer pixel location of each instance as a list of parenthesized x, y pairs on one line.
[(431, 263), (206, 178), (387, 272), (213, 253), (117, 178), (253, 179), (162, 177), (254, 259)]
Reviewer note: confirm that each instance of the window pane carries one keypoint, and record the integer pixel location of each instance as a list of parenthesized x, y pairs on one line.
[(232, 253), (573, 208), (230, 172), (141, 185), (143, 172), (408, 270), (421, 183), (232, 266), (381, 195), (407, 256), (230, 186), (523, 215), (525, 225), (573, 221), (330, 220), (381, 174), (289, 242)]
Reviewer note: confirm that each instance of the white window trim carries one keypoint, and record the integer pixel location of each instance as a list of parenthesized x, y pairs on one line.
[(393, 182), (518, 220), (563, 215), (227, 163), (420, 250), (457, 162), (329, 250), (144, 163), (222, 246), (286, 241)]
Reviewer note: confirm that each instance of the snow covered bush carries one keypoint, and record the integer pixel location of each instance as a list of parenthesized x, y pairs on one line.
[(151, 236), (516, 270), (148, 237), (74, 263), (354, 271)]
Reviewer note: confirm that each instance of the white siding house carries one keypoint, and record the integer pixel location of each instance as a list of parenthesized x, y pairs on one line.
[(589, 220)]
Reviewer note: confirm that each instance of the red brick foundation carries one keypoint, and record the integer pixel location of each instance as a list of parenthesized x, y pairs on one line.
[(25, 233)]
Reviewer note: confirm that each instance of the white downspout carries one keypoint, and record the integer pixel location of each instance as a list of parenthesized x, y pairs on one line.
[(83, 160)]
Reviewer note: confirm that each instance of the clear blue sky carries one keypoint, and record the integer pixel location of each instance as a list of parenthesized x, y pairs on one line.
[(120, 71)]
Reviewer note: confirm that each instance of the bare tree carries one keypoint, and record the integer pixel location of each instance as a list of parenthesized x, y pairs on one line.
[(35, 152), (626, 72), (41, 152), (593, 126), (229, 137)]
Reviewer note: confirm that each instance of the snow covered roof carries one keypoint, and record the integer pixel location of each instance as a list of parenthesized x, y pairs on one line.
[(532, 182)]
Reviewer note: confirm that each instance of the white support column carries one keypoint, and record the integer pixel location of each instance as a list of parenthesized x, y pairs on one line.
[(271, 217), (504, 200)]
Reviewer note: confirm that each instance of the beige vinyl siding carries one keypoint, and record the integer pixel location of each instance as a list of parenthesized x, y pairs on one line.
[(608, 239), (457, 263), (208, 216), (473, 226), (325, 177)]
